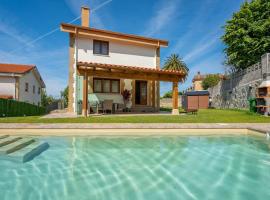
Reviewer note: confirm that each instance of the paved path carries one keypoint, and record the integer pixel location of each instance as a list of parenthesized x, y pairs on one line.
[(263, 127)]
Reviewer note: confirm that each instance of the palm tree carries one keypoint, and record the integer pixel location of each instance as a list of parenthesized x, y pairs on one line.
[(174, 62)]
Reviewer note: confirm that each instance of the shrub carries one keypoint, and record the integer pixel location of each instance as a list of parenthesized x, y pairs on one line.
[(211, 80), (167, 94), (12, 108)]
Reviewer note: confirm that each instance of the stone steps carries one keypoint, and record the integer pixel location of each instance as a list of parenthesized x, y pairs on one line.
[(29, 152), (21, 149), (3, 136), (9, 140)]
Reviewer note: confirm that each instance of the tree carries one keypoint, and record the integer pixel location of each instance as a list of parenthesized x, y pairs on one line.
[(45, 99), (247, 34), (169, 94), (64, 96), (174, 62), (210, 80)]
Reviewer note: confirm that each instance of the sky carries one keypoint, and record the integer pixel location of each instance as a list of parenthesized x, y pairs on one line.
[(192, 27)]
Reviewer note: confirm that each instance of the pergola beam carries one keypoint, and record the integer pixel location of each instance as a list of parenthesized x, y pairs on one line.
[(131, 75)]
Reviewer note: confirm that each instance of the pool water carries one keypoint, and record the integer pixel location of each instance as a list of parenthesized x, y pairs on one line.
[(150, 167)]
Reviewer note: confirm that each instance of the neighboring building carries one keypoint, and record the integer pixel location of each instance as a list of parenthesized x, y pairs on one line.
[(198, 79), (197, 82), (104, 63), (21, 82)]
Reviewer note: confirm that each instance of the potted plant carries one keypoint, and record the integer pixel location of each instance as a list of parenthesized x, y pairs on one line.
[(126, 97)]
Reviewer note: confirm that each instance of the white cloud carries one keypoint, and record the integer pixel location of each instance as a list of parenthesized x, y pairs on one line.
[(164, 14), (75, 7), (8, 28), (200, 49)]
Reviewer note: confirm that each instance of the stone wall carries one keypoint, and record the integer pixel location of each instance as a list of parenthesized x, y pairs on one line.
[(240, 86), (167, 102)]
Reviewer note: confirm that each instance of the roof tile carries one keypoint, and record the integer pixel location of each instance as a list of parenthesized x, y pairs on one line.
[(15, 68)]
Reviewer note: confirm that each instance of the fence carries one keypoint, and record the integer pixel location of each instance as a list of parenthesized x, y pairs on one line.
[(12, 108), (240, 86)]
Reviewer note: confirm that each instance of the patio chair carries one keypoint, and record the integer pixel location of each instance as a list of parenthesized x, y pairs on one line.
[(107, 105)]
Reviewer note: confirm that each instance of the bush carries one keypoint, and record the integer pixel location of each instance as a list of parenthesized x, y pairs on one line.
[(167, 95), (12, 108), (211, 80)]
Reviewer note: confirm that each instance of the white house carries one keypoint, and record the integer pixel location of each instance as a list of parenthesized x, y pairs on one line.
[(105, 63), (21, 82)]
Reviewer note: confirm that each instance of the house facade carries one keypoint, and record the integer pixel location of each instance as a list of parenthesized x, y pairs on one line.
[(105, 63), (21, 83)]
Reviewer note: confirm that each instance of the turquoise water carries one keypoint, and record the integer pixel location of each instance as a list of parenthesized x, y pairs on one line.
[(171, 167)]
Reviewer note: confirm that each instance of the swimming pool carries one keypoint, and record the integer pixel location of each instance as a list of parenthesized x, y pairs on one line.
[(142, 167)]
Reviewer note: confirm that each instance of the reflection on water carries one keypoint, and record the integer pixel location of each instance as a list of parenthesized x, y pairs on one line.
[(172, 167)]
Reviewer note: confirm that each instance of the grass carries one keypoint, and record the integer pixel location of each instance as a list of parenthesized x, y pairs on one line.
[(203, 116)]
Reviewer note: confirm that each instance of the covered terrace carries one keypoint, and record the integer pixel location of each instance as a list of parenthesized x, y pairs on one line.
[(87, 69)]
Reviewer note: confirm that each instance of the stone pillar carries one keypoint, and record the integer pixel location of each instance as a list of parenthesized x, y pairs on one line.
[(265, 60), (71, 87), (175, 110)]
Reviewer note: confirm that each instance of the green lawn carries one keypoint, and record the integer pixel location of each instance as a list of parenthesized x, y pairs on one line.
[(203, 116)]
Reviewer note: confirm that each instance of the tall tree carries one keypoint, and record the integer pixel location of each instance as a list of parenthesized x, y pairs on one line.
[(210, 80), (45, 99), (247, 34), (174, 62), (64, 96)]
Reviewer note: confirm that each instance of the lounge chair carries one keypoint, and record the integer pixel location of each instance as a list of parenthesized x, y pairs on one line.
[(107, 105)]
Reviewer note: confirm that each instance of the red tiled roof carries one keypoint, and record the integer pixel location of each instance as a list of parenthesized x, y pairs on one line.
[(132, 68), (15, 68), (200, 77), (6, 97)]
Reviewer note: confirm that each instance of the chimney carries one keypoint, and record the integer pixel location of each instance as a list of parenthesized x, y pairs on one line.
[(85, 11)]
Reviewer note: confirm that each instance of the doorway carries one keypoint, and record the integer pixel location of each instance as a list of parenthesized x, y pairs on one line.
[(141, 92)]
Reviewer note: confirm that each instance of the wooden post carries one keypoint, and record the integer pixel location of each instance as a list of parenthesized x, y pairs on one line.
[(175, 110), (85, 95), (154, 95)]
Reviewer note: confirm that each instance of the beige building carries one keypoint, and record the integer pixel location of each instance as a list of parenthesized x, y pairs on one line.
[(104, 63), (198, 79), (197, 82)]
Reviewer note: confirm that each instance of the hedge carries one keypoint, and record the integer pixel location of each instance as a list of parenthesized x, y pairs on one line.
[(12, 108)]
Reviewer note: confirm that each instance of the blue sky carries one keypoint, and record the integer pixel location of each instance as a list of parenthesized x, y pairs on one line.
[(193, 28)]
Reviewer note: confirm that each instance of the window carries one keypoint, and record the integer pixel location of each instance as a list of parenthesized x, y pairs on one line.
[(26, 87), (115, 86), (106, 85), (97, 85), (101, 47), (34, 89), (39, 90)]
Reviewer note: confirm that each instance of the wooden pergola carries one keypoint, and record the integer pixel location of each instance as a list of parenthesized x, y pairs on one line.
[(87, 69)]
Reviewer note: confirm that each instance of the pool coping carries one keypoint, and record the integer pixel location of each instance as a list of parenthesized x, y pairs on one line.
[(258, 127)]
